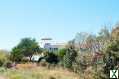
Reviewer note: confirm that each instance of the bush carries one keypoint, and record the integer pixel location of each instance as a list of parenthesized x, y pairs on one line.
[(52, 58), (4, 58), (62, 52), (111, 57)]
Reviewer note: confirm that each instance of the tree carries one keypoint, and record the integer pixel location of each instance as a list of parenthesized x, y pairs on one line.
[(69, 56), (16, 54), (115, 32), (102, 40), (26, 48), (111, 58), (90, 42), (104, 33)]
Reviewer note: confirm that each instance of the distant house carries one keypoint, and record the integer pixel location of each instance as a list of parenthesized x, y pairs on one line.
[(54, 47)]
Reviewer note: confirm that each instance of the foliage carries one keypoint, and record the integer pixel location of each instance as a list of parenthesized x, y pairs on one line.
[(83, 60), (62, 52), (111, 58), (27, 47), (16, 54), (4, 58), (69, 57), (52, 58), (104, 33), (115, 32), (113, 50)]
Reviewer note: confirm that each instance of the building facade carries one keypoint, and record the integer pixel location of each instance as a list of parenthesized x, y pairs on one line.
[(54, 47)]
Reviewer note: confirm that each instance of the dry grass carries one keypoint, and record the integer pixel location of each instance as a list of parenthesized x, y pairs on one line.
[(38, 73)]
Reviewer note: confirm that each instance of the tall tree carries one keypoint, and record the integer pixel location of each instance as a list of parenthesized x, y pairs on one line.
[(115, 32), (111, 58), (70, 55), (103, 38), (26, 47)]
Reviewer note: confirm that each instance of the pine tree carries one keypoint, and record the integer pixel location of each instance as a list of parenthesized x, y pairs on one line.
[(69, 57)]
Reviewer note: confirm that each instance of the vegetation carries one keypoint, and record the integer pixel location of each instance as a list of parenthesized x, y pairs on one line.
[(4, 57), (26, 48), (112, 53), (69, 57), (62, 52), (37, 73)]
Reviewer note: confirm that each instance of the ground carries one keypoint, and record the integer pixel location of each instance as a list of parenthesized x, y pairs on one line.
[(37, 73)]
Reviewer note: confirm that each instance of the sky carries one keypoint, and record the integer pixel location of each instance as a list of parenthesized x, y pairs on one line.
[(57, 19)]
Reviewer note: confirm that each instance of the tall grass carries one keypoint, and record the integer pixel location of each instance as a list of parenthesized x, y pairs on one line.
[(37, 73)]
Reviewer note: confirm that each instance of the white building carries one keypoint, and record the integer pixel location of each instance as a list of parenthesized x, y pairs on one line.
[(51, 45), (54, 47)]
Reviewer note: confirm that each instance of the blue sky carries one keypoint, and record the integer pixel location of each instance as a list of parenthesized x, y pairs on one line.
[(58, 19)]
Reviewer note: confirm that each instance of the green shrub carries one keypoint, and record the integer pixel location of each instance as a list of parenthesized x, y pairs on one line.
[(4, 57)]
